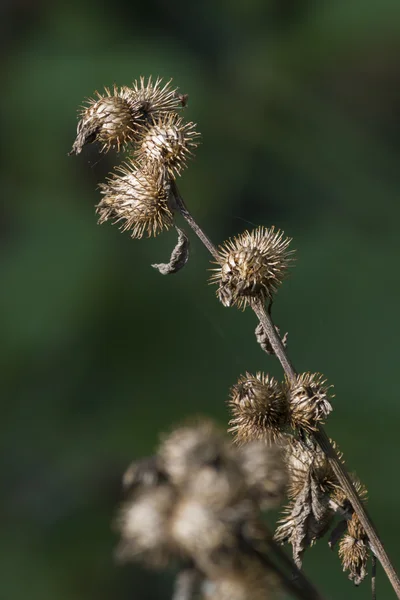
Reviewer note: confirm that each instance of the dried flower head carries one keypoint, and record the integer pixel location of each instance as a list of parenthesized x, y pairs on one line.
[(144, 524), (259, 408), (200, 461), (309, 400), (200, 532), (265, 473), (154, 99), (340, 497), (252, 266), (139, 198), (110, 119), (168, 143), (354, 552), (301, 461)]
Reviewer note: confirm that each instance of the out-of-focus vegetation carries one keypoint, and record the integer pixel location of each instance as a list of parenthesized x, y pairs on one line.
[(298, 104)]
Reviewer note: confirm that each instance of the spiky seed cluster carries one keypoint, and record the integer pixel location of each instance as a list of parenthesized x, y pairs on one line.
[(137, 197), (252, 266), (196, 501), (259, 408), (154, 99), (115, 117), (315, 496), (309, 400), (111, 119), (168, 142), (354, 551)]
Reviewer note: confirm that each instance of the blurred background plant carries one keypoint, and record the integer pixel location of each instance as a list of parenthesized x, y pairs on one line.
[(298, 106)]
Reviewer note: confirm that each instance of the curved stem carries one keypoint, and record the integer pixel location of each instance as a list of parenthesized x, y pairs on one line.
[(320, 436)]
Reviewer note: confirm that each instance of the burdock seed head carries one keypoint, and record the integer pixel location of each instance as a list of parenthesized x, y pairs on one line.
[(202, 464), (252, 266), (110, 119), (152, 99), (137, 197), (259, 408), (168, 142), (354, 551), (309, 400)]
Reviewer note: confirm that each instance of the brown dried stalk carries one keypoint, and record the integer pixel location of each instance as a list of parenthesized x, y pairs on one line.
[(319, 435)]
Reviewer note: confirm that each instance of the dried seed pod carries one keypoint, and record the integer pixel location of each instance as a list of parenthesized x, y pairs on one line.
[(198, 530), (354, 551), (252, 266), (259, 408), (168, 143), (265, 473), (301, 461), (139, 198), (309, 401), (201, 463), (154, 99), (144, 524), (110, 119)]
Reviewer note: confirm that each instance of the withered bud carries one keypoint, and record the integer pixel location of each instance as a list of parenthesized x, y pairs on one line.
[(200, 461), (144, 525), (139, 198), (259, 408), (252, 266), (168, 143), (354, 551), (110, 119), (309, 401), (265, 473)]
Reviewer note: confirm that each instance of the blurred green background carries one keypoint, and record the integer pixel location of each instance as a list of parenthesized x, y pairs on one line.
[(298, 104)]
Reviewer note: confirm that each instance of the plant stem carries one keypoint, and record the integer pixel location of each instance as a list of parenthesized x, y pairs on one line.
[(320, 436)]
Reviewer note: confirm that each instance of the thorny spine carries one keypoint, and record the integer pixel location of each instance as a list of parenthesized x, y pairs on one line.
[(319, 436)]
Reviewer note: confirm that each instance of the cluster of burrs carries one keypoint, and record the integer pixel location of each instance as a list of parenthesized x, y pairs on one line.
[(194, 501), (197, 504), (144, 120), (285, 414)]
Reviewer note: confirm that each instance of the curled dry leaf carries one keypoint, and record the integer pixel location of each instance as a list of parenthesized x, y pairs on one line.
[(179, 256), (262, 338), (308, 518)]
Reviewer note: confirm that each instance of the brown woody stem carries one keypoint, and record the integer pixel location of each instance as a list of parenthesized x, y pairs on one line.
[(320, 436)]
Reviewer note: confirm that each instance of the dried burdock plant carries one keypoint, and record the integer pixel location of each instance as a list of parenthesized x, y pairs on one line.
[(259, 407), (168, 143), (252, 266), (138, 198), (198, 501), (309, 401)]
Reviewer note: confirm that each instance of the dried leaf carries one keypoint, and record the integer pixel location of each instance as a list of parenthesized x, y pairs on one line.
[(262, 338), (308, 518), (179, 256)]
